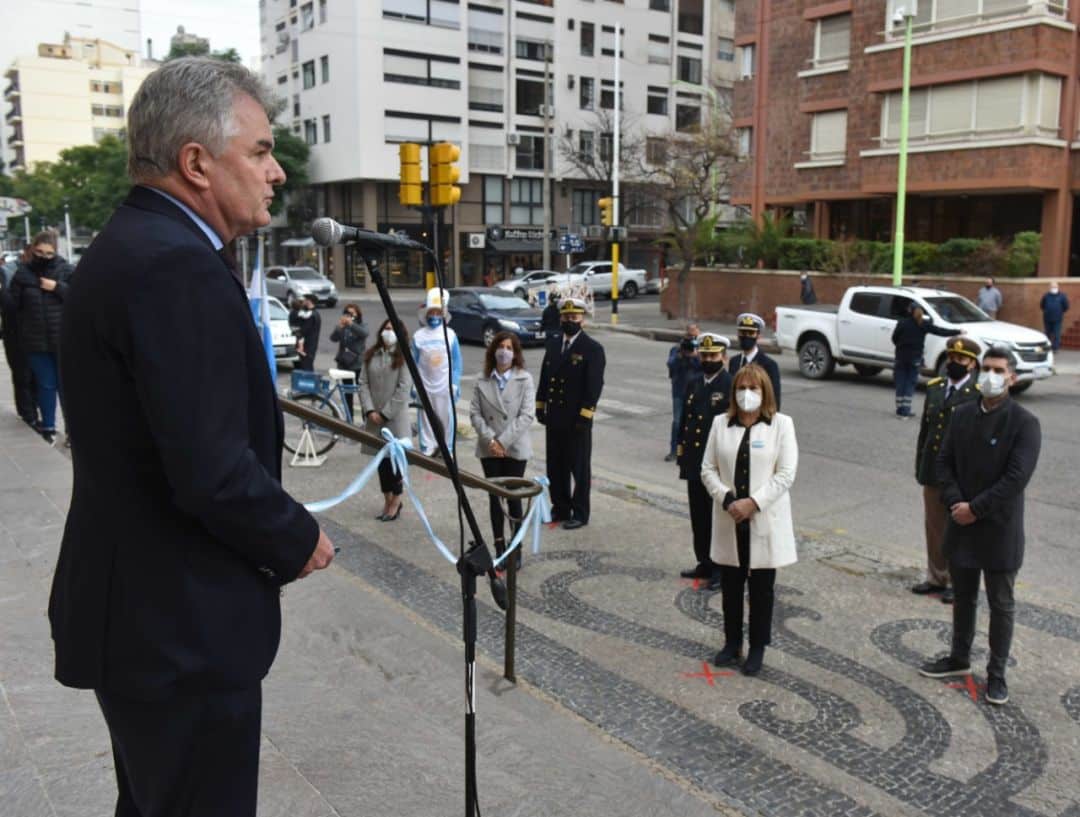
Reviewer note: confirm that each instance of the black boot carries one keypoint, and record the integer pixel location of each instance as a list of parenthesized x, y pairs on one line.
[(728, 656)]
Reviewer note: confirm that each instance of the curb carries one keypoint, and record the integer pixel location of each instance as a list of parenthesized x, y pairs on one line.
[(768, 345)]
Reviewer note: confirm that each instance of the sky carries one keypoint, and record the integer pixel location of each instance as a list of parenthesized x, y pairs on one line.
[(227, 23)]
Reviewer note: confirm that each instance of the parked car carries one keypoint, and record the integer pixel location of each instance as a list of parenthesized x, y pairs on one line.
[(859, 332), (597, 275), (289, 283), (281, 333), (477, 313), (521, 284)]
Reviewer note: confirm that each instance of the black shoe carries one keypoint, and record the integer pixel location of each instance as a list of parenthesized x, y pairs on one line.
[(945, 667), (754, 660), (997, 692), (48, 435), (947, 596), (728, 656), (925, 588), (698, 572), (573, 524), (669, 458), (385, 517), (714, 583)]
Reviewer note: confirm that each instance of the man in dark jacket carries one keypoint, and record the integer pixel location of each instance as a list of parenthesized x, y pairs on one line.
[(307, 325), (989, 455), (706, 397), (21, 378), (750, 327), (683, 367), (1054, 304), (179, 537), (806, 289), (571, 379), (909, 337)]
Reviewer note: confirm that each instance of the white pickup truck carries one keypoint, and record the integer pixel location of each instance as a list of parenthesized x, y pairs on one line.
[(597, 276), (859, 332)]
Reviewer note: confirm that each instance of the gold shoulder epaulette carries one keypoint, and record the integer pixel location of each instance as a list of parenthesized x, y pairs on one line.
[(935, 381)]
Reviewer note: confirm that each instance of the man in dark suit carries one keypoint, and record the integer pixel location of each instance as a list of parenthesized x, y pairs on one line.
[(166, 597), (750, 327), (943, 395), (706, 397), (571, 378), (989, 455)]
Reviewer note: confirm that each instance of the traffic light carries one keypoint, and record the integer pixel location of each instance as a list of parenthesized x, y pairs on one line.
[(443, 174), (607, 217), (411, 190)]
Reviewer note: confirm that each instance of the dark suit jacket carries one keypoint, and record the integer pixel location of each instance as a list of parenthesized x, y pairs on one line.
[(570, 384), (765, 362), (703, 402), (179, 535), (987, 460)]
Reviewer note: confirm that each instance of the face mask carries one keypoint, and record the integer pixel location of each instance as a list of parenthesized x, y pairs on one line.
[(711, 367), (434, 322), (570, 328), (39, 264), (956, 370), (304, 313), (992, 384), (388, 337), (504, 357), (748, 399), (747, 343)]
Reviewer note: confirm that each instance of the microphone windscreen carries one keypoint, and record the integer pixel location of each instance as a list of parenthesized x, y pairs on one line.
[(326, 232)]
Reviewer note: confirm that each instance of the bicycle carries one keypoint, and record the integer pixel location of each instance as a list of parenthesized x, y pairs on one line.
[(319, 393)]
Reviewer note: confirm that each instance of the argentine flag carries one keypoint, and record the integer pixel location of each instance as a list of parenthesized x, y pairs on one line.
[(260, 311)]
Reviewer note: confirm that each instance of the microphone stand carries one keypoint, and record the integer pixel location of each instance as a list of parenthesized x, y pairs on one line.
[(474, 562)]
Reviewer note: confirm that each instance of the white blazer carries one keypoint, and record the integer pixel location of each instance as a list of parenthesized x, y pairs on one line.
[(774, 457), (504, 415)]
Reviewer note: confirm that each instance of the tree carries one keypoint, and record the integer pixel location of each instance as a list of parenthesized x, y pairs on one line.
[(598, 164), (201, 49), (292, 153), (94, 181)]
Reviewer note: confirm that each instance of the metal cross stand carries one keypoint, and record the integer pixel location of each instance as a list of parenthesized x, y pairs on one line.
[(305, 455)]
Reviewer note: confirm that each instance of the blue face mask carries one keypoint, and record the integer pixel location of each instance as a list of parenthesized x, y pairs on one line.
[(434, 322)]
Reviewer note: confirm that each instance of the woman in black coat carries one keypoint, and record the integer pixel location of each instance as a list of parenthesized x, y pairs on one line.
[(351, 337), (36, 295)]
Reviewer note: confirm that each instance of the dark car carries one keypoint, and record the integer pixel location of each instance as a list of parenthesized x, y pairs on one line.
[(477, 313)]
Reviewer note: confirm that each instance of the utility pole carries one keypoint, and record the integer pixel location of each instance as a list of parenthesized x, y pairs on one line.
[(615, 182), (907, 14), (546, 264), (67, 229)]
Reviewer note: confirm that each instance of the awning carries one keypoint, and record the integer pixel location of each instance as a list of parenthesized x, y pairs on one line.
[(513, 245), (298, 242)]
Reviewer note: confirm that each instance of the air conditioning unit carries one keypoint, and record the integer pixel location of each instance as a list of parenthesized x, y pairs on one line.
[(595, 231), (477, 241), (513, 138)]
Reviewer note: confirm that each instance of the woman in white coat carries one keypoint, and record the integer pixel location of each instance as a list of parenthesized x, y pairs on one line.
[(748, 468), (502, 412)]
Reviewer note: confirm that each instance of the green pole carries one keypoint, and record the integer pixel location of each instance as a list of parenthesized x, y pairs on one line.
[(901, 173)]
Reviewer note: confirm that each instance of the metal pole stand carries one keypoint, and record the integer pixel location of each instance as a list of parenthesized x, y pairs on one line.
[(305, 456)]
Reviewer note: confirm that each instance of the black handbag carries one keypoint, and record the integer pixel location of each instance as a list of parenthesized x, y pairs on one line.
[(348, 359)]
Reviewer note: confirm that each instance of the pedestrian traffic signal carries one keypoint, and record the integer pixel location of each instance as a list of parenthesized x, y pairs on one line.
[(411, 190), (443, 174), (607, 216)]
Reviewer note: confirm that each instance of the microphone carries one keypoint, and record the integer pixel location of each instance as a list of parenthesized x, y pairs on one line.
[(328, 232)]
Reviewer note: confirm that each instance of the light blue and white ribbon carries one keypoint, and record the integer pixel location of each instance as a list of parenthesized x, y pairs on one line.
[(539, 515)]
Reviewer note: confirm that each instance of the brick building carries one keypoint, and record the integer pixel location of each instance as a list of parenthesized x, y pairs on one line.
[(993, 125)]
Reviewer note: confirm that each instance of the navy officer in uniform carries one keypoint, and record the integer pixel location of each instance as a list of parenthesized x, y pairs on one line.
[(571, 378), (943, 395), (707, 396), (750, 327)]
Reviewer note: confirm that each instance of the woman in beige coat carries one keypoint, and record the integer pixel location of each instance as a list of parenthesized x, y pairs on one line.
[(748, 468), (502, 412)]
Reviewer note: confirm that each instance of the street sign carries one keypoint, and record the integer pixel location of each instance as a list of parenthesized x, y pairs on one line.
[(11, 207), (571, 243)]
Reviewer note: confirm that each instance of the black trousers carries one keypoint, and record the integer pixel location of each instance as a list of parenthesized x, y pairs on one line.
[(701, 508), (761, 581), (389, 480), (21, 377), (999, 594), (503, 467), (195, 754), (569, 470)]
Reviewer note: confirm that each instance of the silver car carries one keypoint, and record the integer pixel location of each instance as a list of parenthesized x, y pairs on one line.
[(290, 283)]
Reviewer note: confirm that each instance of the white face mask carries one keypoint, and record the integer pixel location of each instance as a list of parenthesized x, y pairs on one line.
[(504, 357), (748, 399), (389, 339), (304, 313), (992, 384)]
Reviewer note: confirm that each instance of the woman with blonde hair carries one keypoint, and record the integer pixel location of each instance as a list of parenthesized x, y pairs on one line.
[(748, 468)]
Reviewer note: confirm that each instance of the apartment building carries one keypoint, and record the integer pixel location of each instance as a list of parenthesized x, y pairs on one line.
[(362, 76), (993, 118), (71, 93)]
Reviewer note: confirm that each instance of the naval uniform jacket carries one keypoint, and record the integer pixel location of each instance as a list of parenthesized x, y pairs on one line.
[(570, 384), (987, 460), (937, 410), (704, 401), (765, 362)]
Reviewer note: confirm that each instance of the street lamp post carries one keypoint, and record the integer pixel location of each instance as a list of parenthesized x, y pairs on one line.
[(905, 11)]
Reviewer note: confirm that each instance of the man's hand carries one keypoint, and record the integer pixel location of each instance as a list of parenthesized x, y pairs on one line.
[(375, 417), (961, 513), (321, 557), (48, 284), (742, 509)]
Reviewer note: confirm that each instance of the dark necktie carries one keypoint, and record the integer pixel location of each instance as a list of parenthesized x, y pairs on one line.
[(949, 392), (565, 347)]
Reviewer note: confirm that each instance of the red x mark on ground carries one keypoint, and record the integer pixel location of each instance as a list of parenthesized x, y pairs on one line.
[(707, 673), (697, 584), (969, 685)]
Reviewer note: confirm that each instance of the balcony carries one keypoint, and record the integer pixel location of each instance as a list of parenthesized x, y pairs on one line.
[(14, 115), (979, 13)]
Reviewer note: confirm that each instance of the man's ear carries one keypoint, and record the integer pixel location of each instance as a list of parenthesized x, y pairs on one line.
[(192, 164)]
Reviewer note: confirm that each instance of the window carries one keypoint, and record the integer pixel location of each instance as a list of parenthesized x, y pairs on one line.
[(444, 13), (746, 61), (607, 147), (657, 101), (414, 69), (107, 110), (530, 49), (725, 49), (660, 5), (486, 30), (745, 141), (583, 207), (832, 40), (655, 150), (324, 67), (998, 103), (311, 131), (485, 89), (526, 200), (281, 80), (690, 70), (406, 126), (586, 145), (607, 41), (586, 93), (659, 49), (691, 16), (687, 118), (326, 128), (308, 69), (307, 17), (865, 303), (945, 14), (322, 11), (828, 136), (588, 39), (530, 96), (493, 200), (296, 105)]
